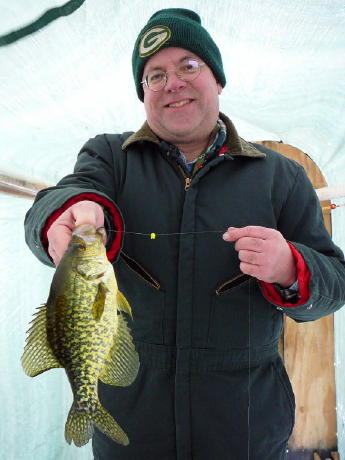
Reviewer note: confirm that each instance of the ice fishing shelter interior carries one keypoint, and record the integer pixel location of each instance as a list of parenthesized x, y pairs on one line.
[(66, 76)]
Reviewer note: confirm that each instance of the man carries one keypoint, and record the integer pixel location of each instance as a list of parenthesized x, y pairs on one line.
[(207, 304)]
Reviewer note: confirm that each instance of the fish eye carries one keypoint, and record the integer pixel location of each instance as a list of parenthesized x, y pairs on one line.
[(80, 246)]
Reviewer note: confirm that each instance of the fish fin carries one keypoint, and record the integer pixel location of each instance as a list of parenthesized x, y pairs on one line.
[(105, 423), (99, 302), (122, 364), (38, 357), (79, 427), (123, 304)]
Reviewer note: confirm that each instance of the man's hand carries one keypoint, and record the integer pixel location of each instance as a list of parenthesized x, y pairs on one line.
[(264, 254), (60, 233)]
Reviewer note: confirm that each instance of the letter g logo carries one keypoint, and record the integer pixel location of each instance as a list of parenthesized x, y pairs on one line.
[(153, 39)]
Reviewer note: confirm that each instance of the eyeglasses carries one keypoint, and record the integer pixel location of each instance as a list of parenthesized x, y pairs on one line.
[(188, 70)]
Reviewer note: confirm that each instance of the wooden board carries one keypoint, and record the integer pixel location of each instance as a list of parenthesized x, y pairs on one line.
[(308, 351)]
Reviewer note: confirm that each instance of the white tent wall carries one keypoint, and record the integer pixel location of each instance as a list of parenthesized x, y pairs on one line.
[(283, 61), (71, 80)]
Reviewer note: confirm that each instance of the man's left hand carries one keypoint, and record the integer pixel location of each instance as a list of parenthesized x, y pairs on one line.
[(264, 253)]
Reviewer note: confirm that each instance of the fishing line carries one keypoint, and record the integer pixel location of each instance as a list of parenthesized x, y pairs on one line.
[(249, 362), (153, 235)]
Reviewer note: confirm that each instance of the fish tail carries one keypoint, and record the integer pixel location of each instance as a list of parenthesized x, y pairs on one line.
[(80, 426)]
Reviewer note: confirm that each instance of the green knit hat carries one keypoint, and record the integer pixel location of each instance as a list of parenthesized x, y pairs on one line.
[(175, 27)]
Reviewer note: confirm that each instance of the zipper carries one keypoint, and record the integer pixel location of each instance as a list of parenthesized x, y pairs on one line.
[(187, 180), (171, 154), (133, 265), (173, 160), (230, 284)]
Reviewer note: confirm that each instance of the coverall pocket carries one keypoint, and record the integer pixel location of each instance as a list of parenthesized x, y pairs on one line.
[(146, 298), (251, 409), (229, 314), (238, 280), (272, 411), (287, 388)]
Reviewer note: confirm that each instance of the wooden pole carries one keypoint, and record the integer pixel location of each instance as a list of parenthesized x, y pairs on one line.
[(20, 186)]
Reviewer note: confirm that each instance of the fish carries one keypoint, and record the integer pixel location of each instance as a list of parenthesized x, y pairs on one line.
[(82, 328)]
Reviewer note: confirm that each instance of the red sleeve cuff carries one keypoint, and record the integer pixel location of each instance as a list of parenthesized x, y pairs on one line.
[(113, 211), (303, 276)]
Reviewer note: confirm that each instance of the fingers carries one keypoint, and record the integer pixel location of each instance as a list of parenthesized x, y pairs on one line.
[(102, 231), (59, 237), (87, 212), (252, 231), (53, 255), (249, 269), (60, 233), (251, 257), (263, 253), (250, 244)]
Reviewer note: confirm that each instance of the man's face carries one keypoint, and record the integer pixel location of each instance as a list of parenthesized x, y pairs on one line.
[(190, 122)]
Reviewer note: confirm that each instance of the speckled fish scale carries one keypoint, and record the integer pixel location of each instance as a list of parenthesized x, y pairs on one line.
[(82, 329)]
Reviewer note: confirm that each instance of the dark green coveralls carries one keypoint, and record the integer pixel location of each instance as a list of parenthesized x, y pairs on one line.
[(211, 383)]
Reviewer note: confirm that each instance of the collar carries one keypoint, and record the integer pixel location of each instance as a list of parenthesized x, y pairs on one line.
[(235, 145)]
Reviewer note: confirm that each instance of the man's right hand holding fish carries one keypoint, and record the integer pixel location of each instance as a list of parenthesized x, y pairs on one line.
[(60, 232)]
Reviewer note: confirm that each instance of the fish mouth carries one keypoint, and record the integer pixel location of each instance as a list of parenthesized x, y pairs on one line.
[(84, 231)]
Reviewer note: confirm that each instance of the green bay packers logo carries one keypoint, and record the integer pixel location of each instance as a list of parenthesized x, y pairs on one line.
[(153, 39)]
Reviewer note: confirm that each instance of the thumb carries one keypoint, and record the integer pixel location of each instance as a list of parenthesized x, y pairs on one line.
[(231, 234), (88, 212)]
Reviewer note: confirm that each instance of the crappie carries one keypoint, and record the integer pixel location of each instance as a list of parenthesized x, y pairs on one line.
[(82, 329)]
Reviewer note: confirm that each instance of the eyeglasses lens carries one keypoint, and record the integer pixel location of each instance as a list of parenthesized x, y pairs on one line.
[(187, 70)]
